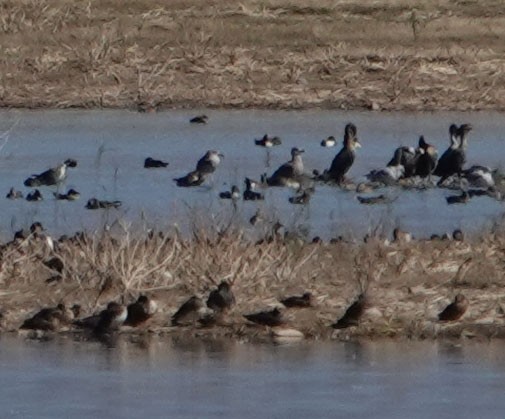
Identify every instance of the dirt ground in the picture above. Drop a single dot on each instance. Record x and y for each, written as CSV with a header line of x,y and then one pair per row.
x,y
341,54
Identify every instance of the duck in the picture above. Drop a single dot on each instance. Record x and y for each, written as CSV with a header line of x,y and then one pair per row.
x,y
270,318
304,300
329,142
256,218
222,298
140,311
388,176
345,157
267,141
34,196
188,312
234,194
52,318
209,162
55,264
150,163
13,194
463,198
71,195
427,159
50,177
94,203
372,200
302,198
194,178
108,320
199,119
250,194
455,310
479,177
288,174
400,236
454,158
353,314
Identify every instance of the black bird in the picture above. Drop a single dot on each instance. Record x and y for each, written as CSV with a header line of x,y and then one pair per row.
x,y
140,311
304,300
111,318
13,194
222,298
34,196
151,163
55,264
395,168
71,195
463,198
345,157
209,162
199,119
250,194
194,178
455,310
270,318
289,172
372,200
188,312
405,157
426,160
233,194
353,314
453,159
94,203
268,142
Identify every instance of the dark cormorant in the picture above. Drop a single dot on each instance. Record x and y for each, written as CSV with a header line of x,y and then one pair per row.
x,y
345,157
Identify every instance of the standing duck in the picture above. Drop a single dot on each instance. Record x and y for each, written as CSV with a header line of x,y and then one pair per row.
x,y
345,157
289,172
188,312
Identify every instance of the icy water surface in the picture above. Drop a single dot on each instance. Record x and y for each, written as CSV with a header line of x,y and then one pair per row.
x,y
111,146
195,379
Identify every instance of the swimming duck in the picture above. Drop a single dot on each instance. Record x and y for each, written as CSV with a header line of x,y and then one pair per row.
x,y
188,312
250,194
13,194
199,119
94,203
427,159
222,298
209,162
455,310
345,157
233,194
151,163
353,314
304,300
287,174
34,196
268,142
52,176
329,142
71,195
270,318
140,311
194,178
454,157
256,218
463,198
372,200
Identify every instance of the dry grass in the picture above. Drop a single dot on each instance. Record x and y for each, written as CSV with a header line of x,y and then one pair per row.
x,y
408,283
269,53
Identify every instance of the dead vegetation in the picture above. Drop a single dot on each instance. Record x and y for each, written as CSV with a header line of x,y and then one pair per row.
x,y
274,53
408,284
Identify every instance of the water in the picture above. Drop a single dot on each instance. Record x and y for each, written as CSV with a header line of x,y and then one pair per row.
x,y
111,146
189,379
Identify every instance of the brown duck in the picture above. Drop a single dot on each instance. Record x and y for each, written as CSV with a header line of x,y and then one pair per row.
x,y
140,311
51,319
455,310
266,318
304,300
188,311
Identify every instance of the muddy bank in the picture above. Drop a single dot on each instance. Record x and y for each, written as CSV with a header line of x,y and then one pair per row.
x,y
408,284
276,54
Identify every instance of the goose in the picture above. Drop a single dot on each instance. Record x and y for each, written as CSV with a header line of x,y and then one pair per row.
x,y
288,174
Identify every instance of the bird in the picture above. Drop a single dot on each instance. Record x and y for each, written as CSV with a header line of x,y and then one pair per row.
x,y
55,264
479,176
199,119
209,162
222,298
353,314
13,194
51,319
188,312
427,159
270,318
344,159
455,310
34,196
302,198
194,178
94,203
329,142
463,198
287,174
387,176
50,177
140,311
109,319
400,236
71,195
405,157
256,218
250,194
454,158
304,300
267,141
150,163
372,200
234,194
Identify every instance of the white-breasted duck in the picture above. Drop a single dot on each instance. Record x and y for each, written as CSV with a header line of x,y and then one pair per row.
x,y
14,194
267,141
34,196
234,194
329,142
140,311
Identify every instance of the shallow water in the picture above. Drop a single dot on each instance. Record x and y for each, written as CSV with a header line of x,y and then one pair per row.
x,y
111,146
190,379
